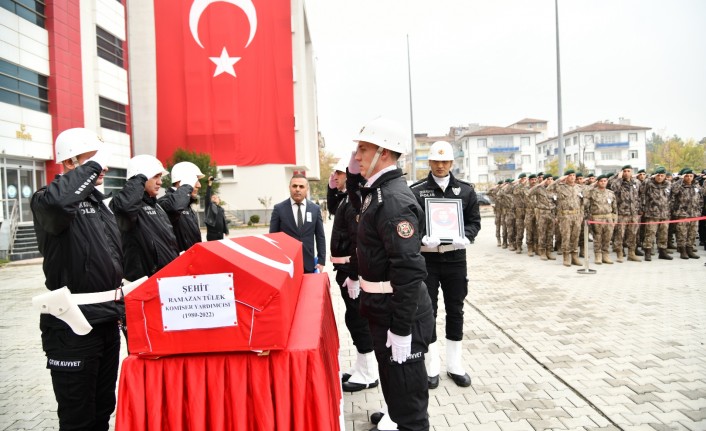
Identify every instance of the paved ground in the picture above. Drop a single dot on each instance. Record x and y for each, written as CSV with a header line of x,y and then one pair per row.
x,y
547,348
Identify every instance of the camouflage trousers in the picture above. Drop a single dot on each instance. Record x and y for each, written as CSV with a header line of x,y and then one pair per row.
x,y
545,229
686,233
531,227
498,222
519,226
602,234
510,226
658,230
626,231
570,226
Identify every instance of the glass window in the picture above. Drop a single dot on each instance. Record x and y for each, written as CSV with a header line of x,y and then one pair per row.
x,y
525,141
588,156
526,160
112,115
114,180
632,137
482,143
31,10
482,161
588,139
227,173
23,87
632,154
109,47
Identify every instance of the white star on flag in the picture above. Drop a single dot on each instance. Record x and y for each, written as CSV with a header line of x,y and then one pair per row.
x,y
224,63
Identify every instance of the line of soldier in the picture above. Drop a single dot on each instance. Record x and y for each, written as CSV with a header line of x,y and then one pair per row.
x,y
548,214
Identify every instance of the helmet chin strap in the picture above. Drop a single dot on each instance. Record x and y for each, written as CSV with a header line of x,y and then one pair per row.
x,y
376,157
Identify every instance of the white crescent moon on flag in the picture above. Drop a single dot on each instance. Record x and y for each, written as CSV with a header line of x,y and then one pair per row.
x,y
286,267
199,6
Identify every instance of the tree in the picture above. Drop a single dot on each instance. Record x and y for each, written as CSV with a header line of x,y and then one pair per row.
x,y
202,160
265,201
552,167
327,161
675,154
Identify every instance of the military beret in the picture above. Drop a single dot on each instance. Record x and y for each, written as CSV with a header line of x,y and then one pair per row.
x,y
591,174
541,174
500,182
660,170
600,177
569,172
626,167
555,178
532,176
641,171
508,180
522,175
681,171
687,171
579,174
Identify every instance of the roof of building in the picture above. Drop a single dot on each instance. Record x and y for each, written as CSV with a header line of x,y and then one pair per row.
x,y
598,127
530,120
492,130
431,139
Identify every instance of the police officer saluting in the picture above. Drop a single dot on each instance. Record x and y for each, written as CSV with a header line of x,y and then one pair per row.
x,y
391,271
177,201
446,263
80,242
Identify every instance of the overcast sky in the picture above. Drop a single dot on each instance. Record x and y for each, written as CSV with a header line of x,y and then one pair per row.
x,y
493,62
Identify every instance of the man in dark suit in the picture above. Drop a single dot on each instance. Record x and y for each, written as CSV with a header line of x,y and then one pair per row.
x,y
301,219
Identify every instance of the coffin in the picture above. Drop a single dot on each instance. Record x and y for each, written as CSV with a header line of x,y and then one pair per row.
x,y
236,294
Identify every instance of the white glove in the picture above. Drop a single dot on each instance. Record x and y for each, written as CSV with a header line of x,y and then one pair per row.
x,y
353,287
332,181
102,157
460,242
401,346
353,166
431,241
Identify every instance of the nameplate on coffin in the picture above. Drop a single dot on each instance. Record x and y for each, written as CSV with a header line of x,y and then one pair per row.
x,y
197,302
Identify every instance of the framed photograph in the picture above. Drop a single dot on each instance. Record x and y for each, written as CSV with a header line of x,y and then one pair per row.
x,y
444,218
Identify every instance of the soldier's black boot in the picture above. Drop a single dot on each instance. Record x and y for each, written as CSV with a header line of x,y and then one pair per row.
x,y
638,252
682,253
690,253
648,254
664,255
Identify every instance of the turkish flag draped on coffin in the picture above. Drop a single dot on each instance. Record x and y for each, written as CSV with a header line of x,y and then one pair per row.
x,y
224,80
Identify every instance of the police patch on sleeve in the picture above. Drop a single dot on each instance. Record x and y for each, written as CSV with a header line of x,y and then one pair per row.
x,y
405,229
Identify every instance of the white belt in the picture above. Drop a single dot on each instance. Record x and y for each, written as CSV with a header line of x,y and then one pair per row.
x,y
63,304
439,249
375,286
345,259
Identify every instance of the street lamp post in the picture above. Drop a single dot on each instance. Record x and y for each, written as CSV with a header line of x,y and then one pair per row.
x,y
558,92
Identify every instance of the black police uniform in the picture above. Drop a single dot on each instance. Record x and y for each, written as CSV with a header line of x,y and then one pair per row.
x,y
147,236
215,219
388,251
80,242
343,244
177,204
448,269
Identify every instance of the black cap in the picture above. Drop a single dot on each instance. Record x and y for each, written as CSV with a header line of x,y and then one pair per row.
x,y
626,167
569,172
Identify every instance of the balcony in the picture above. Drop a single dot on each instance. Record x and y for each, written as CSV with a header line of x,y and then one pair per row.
x,y
613,145
503,149
505,167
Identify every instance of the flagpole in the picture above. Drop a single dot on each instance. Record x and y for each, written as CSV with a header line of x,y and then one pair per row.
x,y
558,93
411,116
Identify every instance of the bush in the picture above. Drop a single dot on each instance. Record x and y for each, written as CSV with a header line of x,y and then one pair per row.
x,y
254,219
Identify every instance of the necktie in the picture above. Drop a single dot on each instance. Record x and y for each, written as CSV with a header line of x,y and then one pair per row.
x,y
300,220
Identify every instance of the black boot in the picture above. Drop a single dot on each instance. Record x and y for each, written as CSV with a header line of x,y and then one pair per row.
x,y
690,253
638,252
648,254
664,255
682,253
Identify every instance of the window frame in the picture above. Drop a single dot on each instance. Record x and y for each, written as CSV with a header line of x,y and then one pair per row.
x,y
118,124
24,99
117,54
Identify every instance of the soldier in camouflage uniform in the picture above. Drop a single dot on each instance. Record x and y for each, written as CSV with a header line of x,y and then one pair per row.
x,y
600,206
654,194
582,188
627,191
518,201
530,217
568,208
505,194
686,201
497,209
544,207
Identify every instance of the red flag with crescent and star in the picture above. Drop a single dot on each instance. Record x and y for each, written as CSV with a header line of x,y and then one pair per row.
x,y
224,80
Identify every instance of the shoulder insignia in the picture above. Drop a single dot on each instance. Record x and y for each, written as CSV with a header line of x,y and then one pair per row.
x,y
366,203
405,229
456,190
418,183
379,195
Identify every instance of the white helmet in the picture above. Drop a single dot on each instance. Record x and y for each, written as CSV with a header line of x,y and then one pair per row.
x,y
146,165
185,170
441,151
341,166
385,133
74,142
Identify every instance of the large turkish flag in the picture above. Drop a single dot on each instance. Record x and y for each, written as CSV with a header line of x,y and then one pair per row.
x,y
231,95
